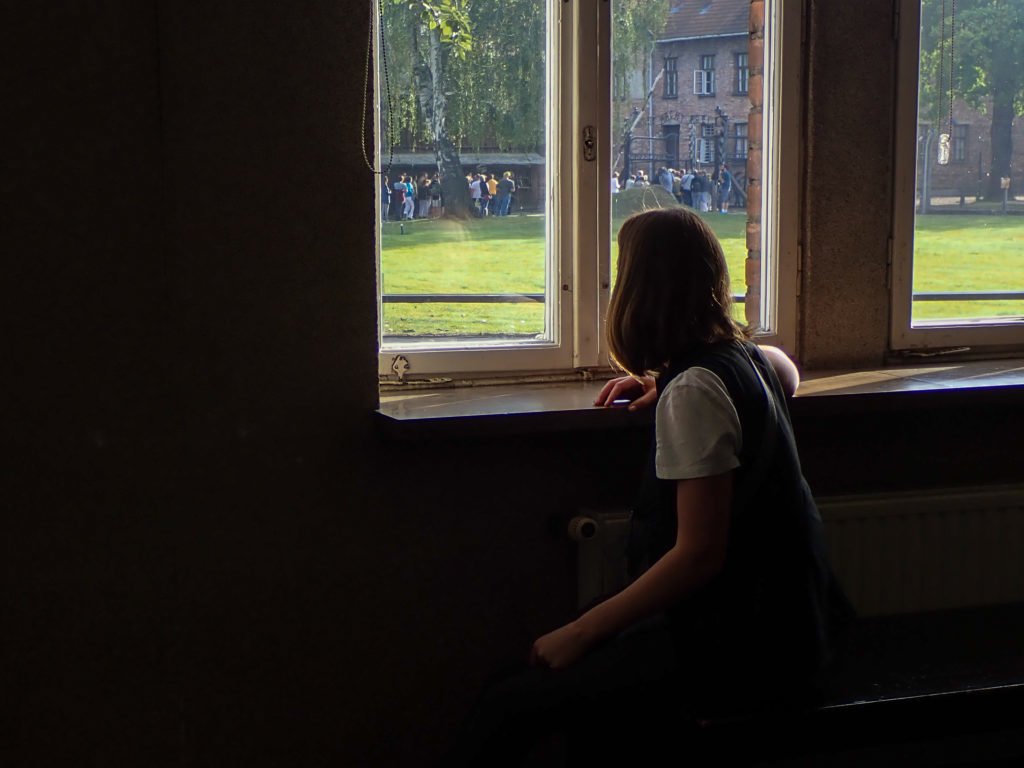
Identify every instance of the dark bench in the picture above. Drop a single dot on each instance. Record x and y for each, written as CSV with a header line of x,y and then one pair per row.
x,y
943,688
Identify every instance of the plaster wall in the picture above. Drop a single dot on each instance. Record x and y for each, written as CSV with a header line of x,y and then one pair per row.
x,y
844,303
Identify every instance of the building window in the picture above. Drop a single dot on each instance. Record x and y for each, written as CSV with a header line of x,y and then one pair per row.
x,y
959,148
704,77
741,142
671,90
742,73
620,86
472,289
956,278
706,144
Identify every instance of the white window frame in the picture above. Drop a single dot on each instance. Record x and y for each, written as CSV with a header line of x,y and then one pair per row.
x,y
704,82
579,231
742,74
705,150
671,89
932,334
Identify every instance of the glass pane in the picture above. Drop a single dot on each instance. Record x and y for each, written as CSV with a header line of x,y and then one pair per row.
x,y
464,221
685,141
969,222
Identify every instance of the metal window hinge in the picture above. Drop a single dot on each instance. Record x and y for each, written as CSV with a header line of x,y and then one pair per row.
x,y
888,265
799,270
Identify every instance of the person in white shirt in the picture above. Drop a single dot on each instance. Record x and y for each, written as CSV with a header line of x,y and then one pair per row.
x,y
732,601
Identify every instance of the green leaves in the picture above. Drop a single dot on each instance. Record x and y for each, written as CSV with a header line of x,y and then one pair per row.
x,y
450,18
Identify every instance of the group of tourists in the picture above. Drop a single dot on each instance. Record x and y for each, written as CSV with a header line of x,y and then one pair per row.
x,y
491,196
406,199
695,188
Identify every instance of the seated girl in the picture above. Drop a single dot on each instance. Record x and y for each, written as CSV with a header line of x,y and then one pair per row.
x,y
731,600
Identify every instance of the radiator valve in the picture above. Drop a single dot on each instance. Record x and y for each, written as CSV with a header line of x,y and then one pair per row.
x,y
582,528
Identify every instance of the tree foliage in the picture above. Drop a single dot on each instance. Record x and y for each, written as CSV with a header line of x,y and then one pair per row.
x,y
496,84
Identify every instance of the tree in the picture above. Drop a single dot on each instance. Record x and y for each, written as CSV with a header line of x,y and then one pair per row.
x,y
472,73
637,24
988,68
439,36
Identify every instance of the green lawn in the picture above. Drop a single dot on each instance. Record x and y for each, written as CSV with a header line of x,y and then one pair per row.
x,y
506,255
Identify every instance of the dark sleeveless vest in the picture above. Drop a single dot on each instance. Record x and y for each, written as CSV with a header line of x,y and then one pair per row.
x,y
770,616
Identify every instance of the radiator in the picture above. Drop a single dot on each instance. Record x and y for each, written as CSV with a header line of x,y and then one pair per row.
x,y
894,553
900,553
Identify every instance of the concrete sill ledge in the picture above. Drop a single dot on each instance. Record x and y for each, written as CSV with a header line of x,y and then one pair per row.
x,y
526,409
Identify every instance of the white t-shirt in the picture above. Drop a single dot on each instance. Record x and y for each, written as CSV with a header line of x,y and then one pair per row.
x,y
697,429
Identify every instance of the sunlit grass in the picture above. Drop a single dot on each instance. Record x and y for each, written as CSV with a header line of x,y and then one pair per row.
x,y
506,255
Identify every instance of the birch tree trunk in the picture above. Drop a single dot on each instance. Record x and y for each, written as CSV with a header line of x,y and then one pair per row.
x,y
429,74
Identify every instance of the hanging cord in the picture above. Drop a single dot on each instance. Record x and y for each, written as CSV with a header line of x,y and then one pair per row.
x,y
952,42
941,91
387,90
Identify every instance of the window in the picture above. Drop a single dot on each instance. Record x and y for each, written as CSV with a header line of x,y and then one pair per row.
x,y
704,77
960,131
671,90
740,145
957,264
742,72
620,86
480,278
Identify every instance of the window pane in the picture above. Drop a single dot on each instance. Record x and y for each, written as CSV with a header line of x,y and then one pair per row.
x,y
968,231
464,248
676,150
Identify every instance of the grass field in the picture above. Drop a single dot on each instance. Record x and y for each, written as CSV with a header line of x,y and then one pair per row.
x,y
506,255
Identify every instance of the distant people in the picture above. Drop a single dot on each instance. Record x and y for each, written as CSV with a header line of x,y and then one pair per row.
x,y
385,197
725,180
423,197
398,198
485,195
409,204
665,179
436,201
492,191
685,184
700,188
506,188
474,193
631,181
615,183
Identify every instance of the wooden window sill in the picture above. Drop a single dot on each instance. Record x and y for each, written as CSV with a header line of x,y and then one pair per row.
x,y
534,408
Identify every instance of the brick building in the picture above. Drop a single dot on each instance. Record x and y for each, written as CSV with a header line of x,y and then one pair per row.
x,y
699,86
970,155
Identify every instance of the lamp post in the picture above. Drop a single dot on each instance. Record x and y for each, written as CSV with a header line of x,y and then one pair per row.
x,y
721,130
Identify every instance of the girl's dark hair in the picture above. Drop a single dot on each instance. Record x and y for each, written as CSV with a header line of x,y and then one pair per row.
x,y
671,293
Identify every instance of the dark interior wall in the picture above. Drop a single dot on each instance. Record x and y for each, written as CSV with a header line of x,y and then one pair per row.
x,y
210,556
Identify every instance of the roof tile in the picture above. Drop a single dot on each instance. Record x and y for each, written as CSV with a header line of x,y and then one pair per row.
x,y
702,18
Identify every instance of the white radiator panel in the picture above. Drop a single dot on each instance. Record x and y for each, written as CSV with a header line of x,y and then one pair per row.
x,y
893,553
899,553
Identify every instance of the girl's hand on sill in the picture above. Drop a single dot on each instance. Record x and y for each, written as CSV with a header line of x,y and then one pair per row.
x,y
641,392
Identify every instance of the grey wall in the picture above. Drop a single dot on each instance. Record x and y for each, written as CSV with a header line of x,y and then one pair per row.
x,y
209,555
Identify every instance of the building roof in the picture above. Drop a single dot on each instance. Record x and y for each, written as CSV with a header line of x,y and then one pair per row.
x,y
468,158
706,18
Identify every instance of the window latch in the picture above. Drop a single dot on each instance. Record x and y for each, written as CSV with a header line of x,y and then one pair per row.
x,y
589,143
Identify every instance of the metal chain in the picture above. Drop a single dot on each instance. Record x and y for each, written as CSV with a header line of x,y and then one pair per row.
x,y
387,90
